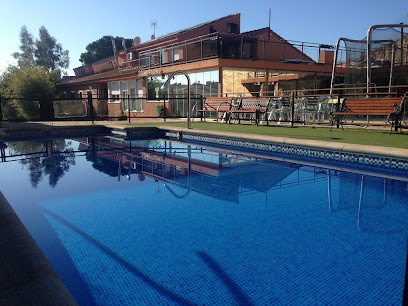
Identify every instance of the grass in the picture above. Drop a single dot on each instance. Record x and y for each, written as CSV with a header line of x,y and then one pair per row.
x,y
362,136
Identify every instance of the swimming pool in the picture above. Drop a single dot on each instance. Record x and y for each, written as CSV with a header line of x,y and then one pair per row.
x,y
166,222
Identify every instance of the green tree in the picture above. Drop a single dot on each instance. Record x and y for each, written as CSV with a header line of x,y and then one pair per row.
x,y
54,164
32,83
26,56
49,53
102,48
39,65
44,52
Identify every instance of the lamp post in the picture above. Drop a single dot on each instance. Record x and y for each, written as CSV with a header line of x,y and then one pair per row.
x,y
188,93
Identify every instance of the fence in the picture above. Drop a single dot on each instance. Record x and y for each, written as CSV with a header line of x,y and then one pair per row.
x,y
304,109
228,46
300,107
91,108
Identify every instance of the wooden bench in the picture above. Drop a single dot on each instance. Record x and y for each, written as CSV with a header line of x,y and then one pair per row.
x,y
255,106
217,105
390,107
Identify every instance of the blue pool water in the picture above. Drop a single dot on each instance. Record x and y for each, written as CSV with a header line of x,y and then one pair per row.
x,y
162,222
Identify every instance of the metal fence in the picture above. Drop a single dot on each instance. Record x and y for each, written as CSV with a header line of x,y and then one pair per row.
x,y
92,107
284,109
229,46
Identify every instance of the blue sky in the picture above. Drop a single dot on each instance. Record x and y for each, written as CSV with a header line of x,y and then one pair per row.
x,y
76,23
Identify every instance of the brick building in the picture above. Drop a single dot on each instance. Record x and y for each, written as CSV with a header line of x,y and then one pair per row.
x,y
219,59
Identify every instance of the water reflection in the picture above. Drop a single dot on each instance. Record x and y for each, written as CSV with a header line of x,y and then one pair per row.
x,y
378,204
215,173
229,176
51,158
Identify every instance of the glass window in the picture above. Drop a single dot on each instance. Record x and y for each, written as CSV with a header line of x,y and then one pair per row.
x,y
214,82
176,53
154,90
136,104
202,83
113,91
163,56
124,100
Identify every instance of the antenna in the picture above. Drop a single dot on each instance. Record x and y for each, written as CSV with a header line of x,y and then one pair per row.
x,y
154,26
269,27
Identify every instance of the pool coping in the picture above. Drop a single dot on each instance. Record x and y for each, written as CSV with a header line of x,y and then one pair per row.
x,y
336,146
112,125
26,275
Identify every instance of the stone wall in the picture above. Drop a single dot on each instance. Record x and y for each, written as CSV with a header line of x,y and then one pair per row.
x,y
231,81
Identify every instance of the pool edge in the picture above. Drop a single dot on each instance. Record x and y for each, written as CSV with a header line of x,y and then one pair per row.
x,y
26,275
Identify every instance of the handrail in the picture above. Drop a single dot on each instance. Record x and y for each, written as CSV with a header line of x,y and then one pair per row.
x,y
188,178
188,92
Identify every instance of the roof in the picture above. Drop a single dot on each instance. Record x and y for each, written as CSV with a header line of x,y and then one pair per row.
x,y
255,32
97,62
184,30
99,76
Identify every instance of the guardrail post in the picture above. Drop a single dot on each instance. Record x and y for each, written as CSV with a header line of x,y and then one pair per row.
x,y
128,107
185,44
90,103
1,112
164,108
201,47
337,110
242,47
263,53
201,107
292,109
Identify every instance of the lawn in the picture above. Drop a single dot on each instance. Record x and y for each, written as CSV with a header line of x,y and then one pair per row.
x,y
349,135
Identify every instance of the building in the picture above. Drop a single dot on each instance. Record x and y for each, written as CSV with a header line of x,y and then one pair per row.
x,y
219,59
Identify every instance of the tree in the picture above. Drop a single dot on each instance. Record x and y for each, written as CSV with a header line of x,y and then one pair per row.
x,y
54,164
102,48
49,53
44,52
26,56
27,82
32,81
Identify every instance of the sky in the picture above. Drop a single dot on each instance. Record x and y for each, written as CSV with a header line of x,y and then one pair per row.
x,y
77,23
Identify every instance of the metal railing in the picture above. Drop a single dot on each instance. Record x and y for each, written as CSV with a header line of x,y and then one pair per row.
x,y
228,46
301,106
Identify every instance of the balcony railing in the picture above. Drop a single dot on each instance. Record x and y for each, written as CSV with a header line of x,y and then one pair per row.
x,y
229,46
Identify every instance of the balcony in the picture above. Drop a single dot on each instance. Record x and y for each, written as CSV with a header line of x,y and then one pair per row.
x,y
227,46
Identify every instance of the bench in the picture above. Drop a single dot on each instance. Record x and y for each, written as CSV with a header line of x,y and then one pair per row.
x,y
217,105
390,107
255,106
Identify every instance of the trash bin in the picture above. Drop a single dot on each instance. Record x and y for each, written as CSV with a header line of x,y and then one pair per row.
x,y
159,109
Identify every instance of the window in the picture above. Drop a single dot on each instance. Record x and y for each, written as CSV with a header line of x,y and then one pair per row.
x,y
154,91
136,104
232,28
202,83
124,100
163,56
113,91
176,53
